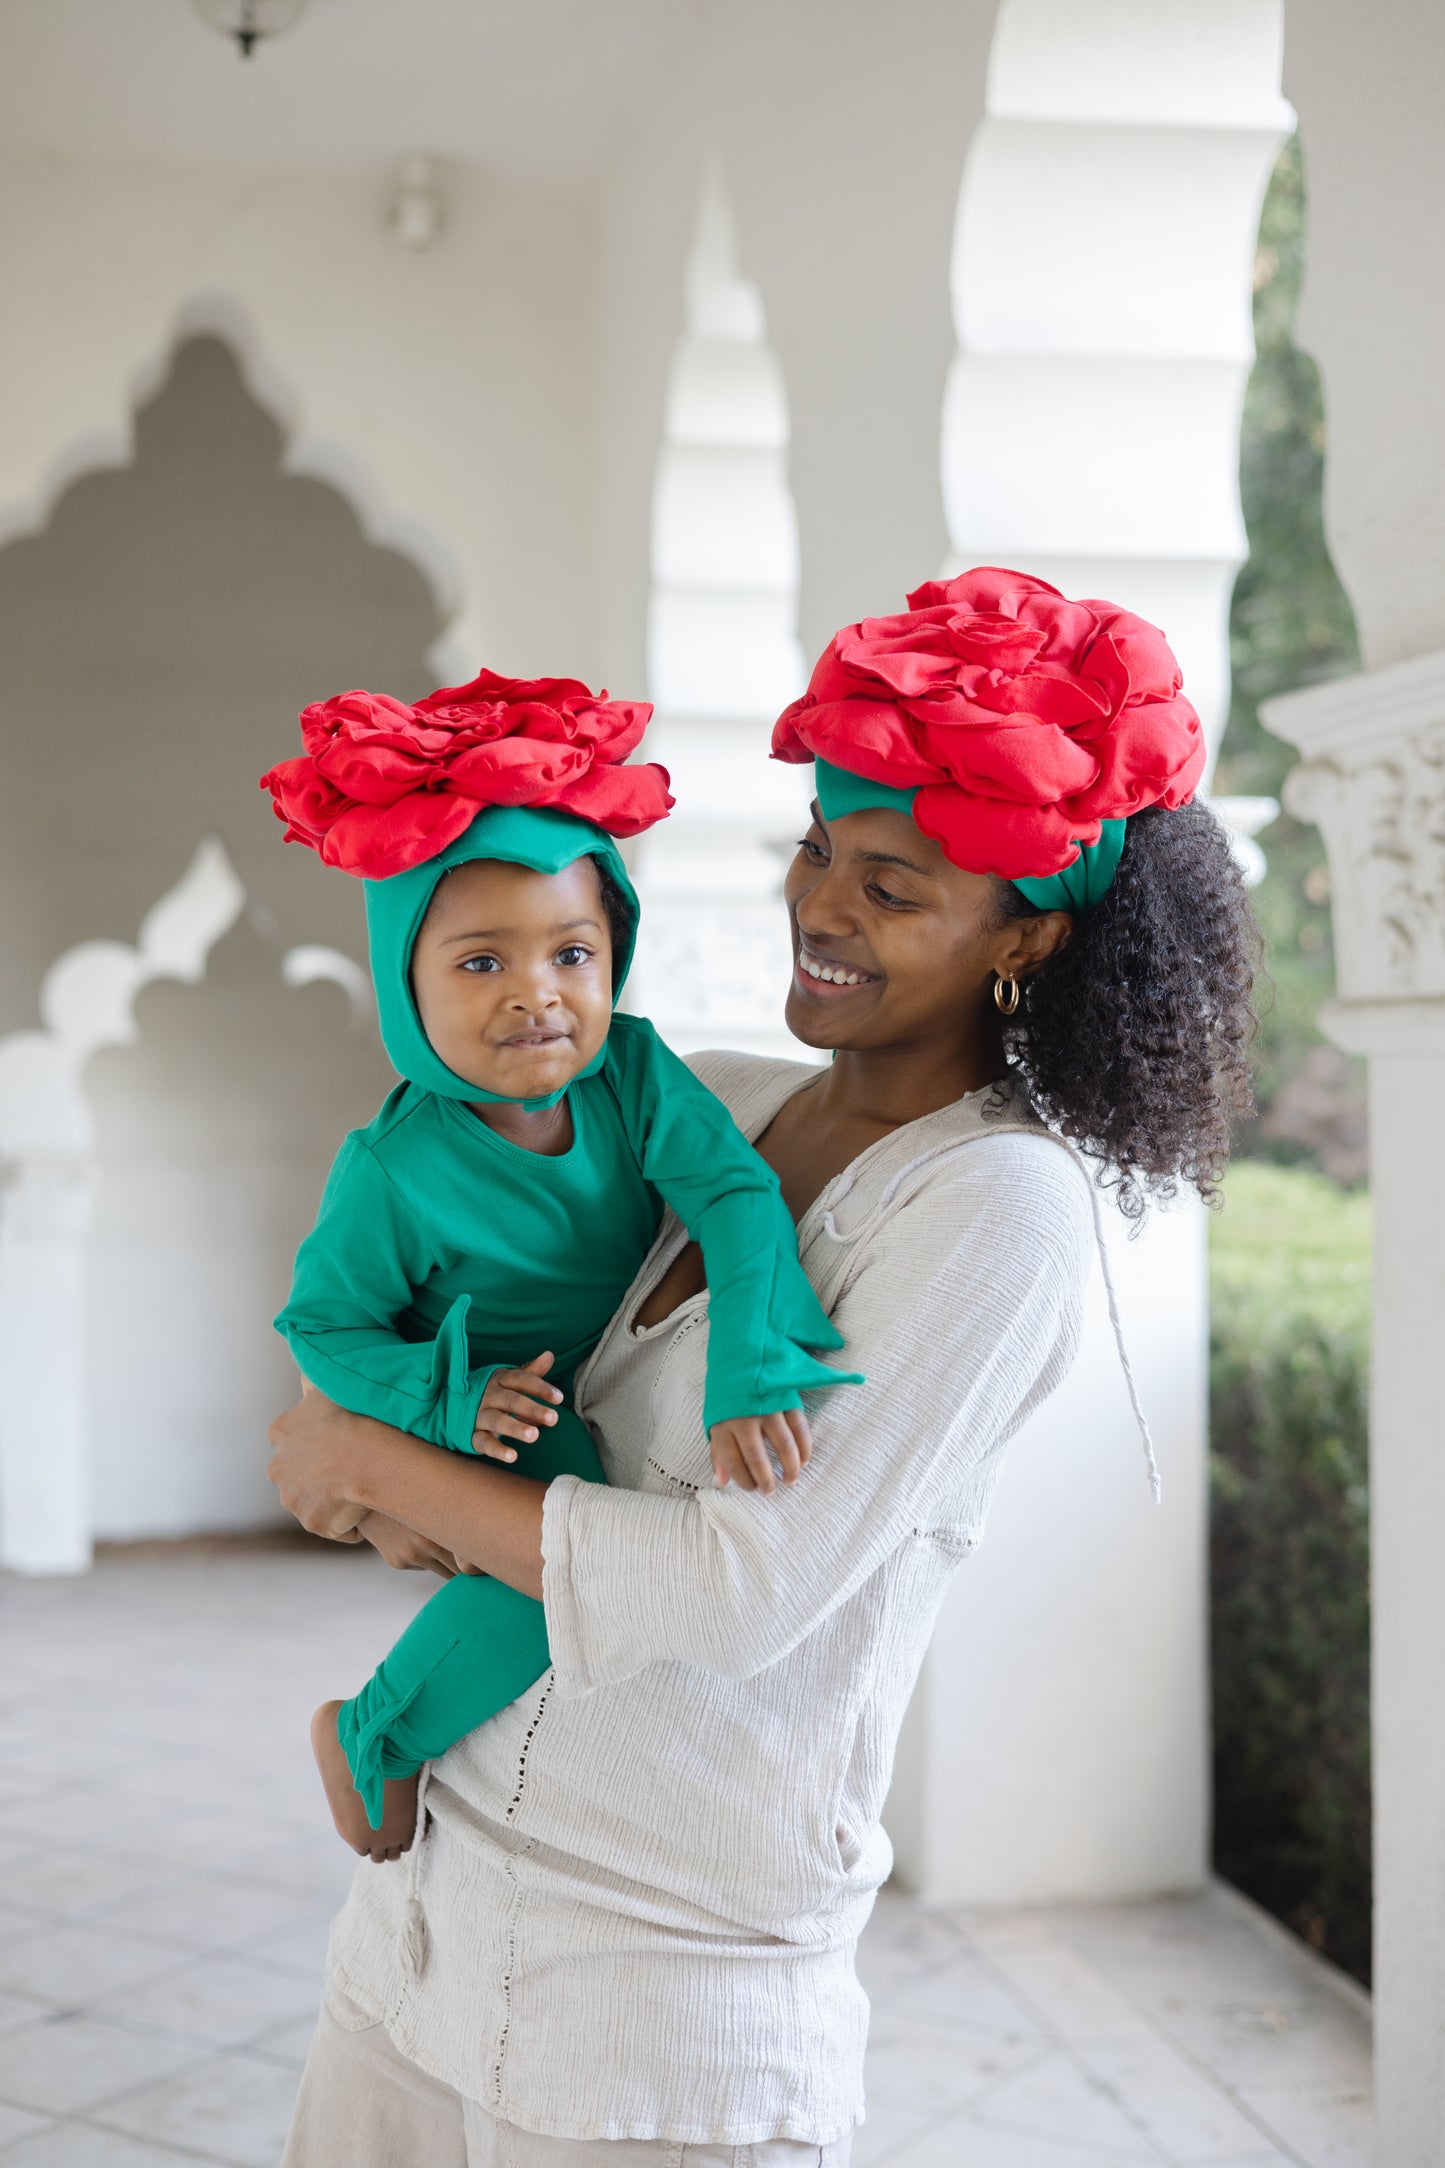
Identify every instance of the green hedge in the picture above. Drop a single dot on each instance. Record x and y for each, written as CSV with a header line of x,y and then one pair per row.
x,y
1290,1289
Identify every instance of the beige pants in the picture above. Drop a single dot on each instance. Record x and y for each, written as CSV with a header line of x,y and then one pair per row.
x,y
363,2105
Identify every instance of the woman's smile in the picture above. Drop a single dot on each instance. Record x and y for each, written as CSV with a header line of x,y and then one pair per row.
x,y
818,973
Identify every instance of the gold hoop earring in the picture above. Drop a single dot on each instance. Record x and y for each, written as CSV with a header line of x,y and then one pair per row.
x,y
1005,1003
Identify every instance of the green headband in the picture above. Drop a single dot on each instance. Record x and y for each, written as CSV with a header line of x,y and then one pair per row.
x,y
1074,889
537,836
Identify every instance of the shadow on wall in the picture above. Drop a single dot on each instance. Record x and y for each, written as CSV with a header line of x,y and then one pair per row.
x,y
156,643
215,1133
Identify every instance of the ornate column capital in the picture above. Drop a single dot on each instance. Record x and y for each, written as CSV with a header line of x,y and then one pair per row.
x,y
1372,777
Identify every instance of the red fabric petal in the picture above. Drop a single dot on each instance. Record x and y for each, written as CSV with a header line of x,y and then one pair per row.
x,y
1157,761
986,835
516,771
376,842
623,800
303,799
325,719
868,737
1032,763
981,589
488,687
788,743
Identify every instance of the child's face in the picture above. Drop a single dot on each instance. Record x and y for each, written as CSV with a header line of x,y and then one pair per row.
x,y
512,975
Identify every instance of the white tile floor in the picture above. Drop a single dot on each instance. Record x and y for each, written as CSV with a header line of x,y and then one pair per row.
x,y
167,1873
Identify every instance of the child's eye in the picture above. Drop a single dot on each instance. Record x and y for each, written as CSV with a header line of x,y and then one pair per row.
x,y
480,963
575,953
815,852
887,898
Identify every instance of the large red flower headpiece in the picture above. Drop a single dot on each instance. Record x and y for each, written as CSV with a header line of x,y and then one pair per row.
x,y
1021,718
383,786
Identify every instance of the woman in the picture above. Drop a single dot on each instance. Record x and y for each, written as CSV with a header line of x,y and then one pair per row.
x,y
629,1934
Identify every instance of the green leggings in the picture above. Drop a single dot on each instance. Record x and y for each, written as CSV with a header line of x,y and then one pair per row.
x,y
469,1652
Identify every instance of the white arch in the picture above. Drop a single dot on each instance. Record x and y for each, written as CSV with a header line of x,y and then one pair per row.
x,y
723,659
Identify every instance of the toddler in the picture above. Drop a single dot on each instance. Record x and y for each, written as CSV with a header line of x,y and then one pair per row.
x,y
474,1240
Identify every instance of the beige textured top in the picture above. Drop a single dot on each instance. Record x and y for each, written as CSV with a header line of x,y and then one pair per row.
x,y
644,1882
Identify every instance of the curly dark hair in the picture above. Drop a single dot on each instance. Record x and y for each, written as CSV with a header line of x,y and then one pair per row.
x,y
1133,1039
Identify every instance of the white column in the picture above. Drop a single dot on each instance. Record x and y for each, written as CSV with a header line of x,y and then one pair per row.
x,y
1058,1744
1373,777
1101,289
47,1189
723,660
44,1431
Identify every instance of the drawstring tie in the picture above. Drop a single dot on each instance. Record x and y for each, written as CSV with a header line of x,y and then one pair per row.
x,y
414,1938
1125,1365
837,1192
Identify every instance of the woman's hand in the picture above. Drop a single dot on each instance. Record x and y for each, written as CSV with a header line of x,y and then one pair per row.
x,y
333,1469
316,1453
408,1552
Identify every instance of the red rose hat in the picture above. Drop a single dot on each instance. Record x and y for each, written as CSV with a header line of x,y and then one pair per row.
x,y
383,787
1021,722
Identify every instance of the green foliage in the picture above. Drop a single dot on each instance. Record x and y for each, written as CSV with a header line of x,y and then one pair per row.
x,y
1290,1291
1290,625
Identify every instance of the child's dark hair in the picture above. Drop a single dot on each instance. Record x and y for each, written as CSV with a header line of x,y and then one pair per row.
x,y
1133,1039
618,912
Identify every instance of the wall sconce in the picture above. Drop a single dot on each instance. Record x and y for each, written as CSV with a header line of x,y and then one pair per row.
x,y
418,213
249,21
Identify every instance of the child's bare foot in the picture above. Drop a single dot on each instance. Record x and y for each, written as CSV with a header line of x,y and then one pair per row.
x,y
398,1811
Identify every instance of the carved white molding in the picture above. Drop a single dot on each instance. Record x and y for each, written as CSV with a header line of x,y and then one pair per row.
x,y
47,1187
313,962
1372,778
87,1001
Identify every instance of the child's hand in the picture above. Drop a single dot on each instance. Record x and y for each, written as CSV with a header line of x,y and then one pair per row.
x,y
743,1450
514,1403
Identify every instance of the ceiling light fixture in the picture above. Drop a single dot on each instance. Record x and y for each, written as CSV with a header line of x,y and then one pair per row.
x,y
249,21
418,212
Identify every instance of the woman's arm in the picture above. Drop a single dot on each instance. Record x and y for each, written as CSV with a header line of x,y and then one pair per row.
x,y
965,1313
332,1468
407,1552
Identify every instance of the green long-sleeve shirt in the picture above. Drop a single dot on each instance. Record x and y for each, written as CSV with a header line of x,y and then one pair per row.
x,y
443,1252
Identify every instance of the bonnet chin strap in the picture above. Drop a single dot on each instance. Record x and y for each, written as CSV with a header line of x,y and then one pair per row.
x,y
1075,888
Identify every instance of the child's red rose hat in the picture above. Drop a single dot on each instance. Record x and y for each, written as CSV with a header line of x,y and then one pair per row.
x,y
383,786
